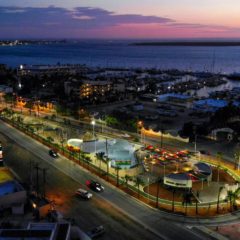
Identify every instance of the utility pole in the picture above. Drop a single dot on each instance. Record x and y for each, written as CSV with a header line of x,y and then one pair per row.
x,y
44,182
195,139
162,131
37,178
106,147
31,163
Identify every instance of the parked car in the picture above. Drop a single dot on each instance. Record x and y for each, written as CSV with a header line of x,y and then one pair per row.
x,y
83,193
53,154
54,216
204,152
96,232
95,186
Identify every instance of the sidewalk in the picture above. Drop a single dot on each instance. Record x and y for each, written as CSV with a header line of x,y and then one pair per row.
x,y
209,232
231,231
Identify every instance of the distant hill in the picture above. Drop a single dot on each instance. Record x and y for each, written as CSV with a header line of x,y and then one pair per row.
x,y
188,44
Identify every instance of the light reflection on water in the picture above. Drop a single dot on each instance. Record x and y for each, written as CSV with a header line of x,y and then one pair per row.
x,y
204,92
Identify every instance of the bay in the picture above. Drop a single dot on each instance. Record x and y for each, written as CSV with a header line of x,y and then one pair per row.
x,y
120,53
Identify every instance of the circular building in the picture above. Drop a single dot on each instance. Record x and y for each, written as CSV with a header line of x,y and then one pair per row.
x,y
200,172
178,180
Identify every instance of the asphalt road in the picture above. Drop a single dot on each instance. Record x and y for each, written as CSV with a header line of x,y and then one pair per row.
x,y
122,215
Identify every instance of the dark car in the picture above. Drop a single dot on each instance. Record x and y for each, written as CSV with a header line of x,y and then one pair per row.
x,y
95,186
53,154
96,232
204,152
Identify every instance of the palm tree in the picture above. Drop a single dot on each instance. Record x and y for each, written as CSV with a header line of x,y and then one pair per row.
x,y
20,120
236,196
162,132
27,127
99,157
117,168
158,188
88,161
173,200
127,178
50,140
62,141
219,192
237,159
232,196
196,207
219,158
107,162
138,182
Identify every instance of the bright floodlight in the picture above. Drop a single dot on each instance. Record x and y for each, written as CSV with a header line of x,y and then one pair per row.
x,y
21,67
20,85
93,122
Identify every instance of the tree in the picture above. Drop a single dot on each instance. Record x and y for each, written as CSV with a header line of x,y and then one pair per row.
x,y
107,162
219,193
88,159
138,182
53,117
127,179
50,139
29,105
196,207
20,120
237,159
232,196
111,121
117,168
173,199
236,196
99,157
162,132
219,158
187,130
158,188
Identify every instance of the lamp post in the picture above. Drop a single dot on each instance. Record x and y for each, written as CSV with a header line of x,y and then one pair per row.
x,y
140,126
195,139
93,124
148,188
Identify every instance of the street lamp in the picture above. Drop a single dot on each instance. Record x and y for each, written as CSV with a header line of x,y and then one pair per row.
x,y
148,187
140,126
93,124
195,139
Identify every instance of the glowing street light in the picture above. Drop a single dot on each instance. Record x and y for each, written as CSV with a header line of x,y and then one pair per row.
x,y
140,126
93,124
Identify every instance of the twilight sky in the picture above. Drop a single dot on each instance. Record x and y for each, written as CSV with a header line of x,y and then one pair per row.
x,y
119,19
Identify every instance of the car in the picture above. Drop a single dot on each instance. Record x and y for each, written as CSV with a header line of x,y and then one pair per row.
x,y
54,216
95,186
53,154
204,152
83,193
96,232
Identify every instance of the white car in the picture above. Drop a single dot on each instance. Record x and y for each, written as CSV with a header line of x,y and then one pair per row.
x,y
96,232
83,193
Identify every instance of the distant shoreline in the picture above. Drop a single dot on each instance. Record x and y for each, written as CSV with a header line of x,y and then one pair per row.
x,y
188,44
